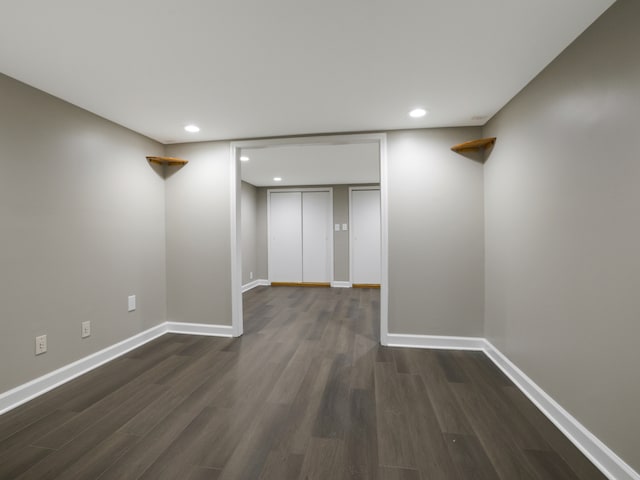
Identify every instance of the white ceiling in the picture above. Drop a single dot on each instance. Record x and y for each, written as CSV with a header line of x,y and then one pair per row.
x,y
312,164
256,68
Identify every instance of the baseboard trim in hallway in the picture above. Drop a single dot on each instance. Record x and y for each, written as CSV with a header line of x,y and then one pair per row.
x,y
28,391
200,329
595,450
265,283
255,283
435,341
301,284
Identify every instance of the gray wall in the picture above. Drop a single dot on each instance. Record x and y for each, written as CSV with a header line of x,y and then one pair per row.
x,y
262,234
198,238
82,228
563,230
436,234
249,232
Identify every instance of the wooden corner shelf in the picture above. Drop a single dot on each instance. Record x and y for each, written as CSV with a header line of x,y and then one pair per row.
x,y
167,160
474,145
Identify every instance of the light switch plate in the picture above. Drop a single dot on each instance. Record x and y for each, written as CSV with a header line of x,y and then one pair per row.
x,y
337,227
344,227
86,329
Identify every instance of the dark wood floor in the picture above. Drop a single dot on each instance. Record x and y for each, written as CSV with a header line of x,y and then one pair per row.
x,y
306,393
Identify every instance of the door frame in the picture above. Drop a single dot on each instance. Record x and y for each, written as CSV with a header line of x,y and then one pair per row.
x,y
330,226
361,188
235,190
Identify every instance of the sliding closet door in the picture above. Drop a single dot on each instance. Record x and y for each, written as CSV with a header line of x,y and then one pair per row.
x,y
365,236
285,237
316,237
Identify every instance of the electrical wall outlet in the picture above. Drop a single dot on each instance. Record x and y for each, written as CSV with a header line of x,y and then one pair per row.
x,y
41,344
86,329
131,302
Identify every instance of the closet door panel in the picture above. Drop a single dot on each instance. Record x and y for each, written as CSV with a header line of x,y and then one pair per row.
x,y
285,237
316,235
365,235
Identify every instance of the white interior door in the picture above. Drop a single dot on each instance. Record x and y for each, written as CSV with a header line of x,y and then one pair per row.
x,y
365,236
285,237
316,236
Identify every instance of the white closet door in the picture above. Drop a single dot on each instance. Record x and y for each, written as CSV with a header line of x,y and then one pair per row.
x,y
365,236
285,237
316,235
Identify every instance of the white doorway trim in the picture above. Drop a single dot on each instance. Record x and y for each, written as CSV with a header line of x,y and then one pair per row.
x,y
235,190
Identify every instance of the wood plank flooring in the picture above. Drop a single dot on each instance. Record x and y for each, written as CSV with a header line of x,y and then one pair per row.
x,y
306,393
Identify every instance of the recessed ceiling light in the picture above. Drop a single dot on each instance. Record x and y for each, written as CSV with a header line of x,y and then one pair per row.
x,y
417,113
244,159
277,179
192,128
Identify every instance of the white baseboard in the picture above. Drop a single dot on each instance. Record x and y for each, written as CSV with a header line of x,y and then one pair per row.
x,y
597,452
434,341
341,284
30,390
200,329
610,464
254,284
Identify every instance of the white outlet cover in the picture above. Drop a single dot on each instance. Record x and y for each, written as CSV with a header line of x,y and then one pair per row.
x,y
131,302
41,344
344,227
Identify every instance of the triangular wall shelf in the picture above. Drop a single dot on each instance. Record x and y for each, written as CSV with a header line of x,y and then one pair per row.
x,y
474,145
167,160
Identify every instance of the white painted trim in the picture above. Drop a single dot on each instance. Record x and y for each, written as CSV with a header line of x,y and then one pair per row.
x,y
339,139
254,284
384,241
300,189
435,341
200,329
612,466
236,261
251,285
335,284
30,390
236,238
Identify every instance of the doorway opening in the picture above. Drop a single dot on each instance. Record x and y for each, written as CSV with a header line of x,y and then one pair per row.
x,y
240,148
